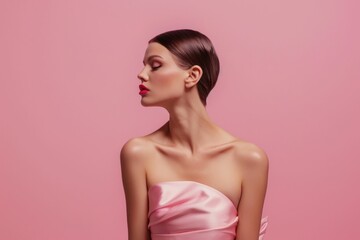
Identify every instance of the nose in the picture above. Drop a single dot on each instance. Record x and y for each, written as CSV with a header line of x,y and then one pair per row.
x,y
142,75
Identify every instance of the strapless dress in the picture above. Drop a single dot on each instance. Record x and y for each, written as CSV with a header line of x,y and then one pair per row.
x,y
189,210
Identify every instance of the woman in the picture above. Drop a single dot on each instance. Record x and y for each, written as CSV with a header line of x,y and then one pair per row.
x,y
190,179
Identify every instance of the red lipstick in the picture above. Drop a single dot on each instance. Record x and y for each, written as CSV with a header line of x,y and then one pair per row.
x,y
143,89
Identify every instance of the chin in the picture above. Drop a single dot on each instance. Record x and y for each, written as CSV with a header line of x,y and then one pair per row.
x,y
147,103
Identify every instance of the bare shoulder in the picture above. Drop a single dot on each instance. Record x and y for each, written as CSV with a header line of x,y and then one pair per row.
x,y
135,148
133,171
250,155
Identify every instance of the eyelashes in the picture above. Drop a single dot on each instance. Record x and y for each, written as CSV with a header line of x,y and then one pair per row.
x,y
155,68
154,65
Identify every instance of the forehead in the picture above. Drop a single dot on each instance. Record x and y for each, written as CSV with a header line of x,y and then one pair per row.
x,y
157,49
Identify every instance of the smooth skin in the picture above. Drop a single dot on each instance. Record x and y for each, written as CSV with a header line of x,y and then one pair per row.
x,y
190,146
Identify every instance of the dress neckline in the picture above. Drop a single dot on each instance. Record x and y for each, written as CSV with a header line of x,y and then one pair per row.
x,y
197,183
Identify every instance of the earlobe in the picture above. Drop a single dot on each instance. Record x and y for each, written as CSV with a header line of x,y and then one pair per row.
x,y
195,73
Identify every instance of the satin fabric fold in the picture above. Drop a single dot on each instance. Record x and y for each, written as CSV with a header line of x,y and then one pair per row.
x,y
189,210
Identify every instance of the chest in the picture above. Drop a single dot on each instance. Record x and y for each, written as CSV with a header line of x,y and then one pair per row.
x,y
217,169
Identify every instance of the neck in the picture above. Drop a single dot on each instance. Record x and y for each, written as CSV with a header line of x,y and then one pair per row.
x,y
190,127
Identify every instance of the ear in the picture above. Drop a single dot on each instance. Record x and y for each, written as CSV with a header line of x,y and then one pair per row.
x,y
195,73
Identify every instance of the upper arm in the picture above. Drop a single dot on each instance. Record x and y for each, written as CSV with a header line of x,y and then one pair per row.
x,y
134,183
254,169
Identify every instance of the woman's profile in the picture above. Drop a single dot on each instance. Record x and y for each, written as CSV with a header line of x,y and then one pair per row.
x,y
190,179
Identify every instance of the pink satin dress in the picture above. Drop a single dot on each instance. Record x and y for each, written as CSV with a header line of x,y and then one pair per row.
x,y
189,210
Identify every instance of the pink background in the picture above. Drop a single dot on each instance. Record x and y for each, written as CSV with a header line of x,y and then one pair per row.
x,y
69,99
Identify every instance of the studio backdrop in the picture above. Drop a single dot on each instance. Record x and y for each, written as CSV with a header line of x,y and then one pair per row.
x,y
289,82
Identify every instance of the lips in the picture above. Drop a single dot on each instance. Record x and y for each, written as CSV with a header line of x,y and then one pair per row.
x,y
142,87
143,90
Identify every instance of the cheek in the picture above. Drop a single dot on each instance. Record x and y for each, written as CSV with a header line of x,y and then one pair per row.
x,y
170,81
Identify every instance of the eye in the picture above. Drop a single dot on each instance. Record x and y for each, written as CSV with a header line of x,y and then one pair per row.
x,y
155,67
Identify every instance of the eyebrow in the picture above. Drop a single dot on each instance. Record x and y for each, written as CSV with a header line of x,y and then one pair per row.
x,y
152,56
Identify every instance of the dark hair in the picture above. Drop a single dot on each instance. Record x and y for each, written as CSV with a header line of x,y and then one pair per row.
x,y
191,48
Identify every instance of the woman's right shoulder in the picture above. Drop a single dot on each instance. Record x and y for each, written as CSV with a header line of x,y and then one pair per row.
x,y
136,148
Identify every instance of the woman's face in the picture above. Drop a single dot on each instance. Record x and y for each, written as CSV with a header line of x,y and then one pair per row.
x,y
162,76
